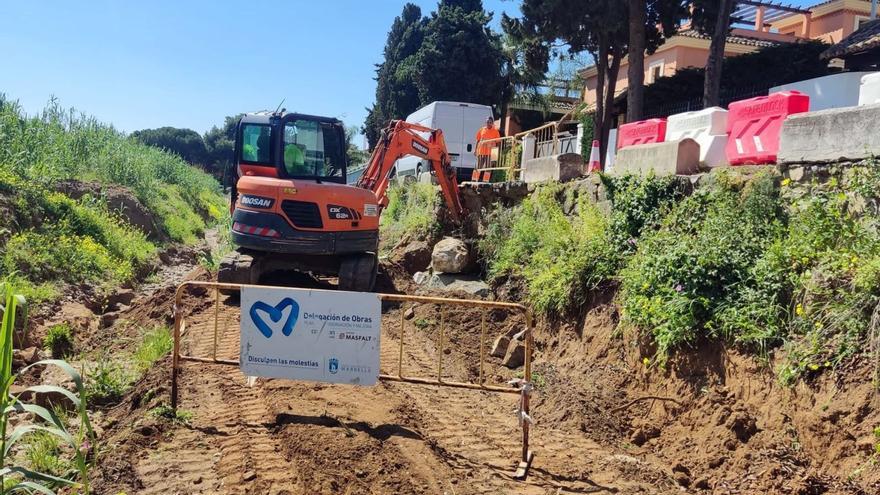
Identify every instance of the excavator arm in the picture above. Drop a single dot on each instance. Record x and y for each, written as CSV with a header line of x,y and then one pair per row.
x,y
402,138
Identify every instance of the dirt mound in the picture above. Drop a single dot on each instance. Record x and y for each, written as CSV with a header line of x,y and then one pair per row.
x,y
119,199
717,418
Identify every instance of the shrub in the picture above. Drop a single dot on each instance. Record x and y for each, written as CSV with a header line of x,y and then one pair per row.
x,y
560,259
59,340
410,212
107,382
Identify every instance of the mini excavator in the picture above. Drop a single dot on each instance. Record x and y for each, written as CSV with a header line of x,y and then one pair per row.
x,y
292,208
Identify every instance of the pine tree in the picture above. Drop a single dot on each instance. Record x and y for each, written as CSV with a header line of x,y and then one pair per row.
x,y
461,57
396,93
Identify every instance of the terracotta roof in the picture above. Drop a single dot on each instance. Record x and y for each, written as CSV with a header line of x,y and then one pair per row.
x,y
737,40
866,38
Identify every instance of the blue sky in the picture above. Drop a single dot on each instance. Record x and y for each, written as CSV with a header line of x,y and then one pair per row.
x,y
190,63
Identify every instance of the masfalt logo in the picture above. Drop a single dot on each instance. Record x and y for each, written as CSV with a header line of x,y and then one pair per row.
x,y
275,313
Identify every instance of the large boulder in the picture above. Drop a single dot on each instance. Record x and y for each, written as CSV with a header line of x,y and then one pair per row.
x,y
451,255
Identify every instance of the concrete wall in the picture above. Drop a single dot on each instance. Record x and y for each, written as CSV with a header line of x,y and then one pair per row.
x,y
831,135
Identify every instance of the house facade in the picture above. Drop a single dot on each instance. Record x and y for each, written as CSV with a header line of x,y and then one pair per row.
x,y
771,24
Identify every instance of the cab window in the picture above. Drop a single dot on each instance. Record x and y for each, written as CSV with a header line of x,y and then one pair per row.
x,y
256,144
312,148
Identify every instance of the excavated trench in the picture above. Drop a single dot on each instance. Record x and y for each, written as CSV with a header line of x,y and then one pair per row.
x,y
713,421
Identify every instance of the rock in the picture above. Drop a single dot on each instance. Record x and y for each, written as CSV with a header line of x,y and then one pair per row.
x,y
516,352
702,484
450,282
409,313
25,357
682,479
450,255
416,257
742,425
49,399
421,277
499,347
122,297
249,476
716,462
638,437
108,319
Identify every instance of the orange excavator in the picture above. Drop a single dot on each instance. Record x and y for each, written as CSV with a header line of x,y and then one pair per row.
x,y
292,208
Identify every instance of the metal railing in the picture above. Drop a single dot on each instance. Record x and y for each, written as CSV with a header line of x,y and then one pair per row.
x,y
503,159
215,341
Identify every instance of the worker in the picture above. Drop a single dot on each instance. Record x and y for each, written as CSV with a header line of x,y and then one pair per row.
x,y
294,160
484,151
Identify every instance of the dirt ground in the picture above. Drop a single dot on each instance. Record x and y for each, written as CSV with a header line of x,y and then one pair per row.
x,y
713,422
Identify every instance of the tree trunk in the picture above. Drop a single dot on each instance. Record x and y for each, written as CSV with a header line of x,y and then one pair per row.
x,y
601,66
712,81
635,91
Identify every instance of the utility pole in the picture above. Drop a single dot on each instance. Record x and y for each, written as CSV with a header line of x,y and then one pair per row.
x,y
873,9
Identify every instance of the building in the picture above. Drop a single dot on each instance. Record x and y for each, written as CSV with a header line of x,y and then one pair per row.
x,y
769,23
860,50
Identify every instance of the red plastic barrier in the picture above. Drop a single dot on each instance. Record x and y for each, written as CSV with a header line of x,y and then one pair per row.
x,y
753,126
641,132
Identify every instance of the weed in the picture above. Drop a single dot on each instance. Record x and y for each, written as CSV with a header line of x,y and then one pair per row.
x,y
43,452
179,416
107,382
59,340
156,343
423,323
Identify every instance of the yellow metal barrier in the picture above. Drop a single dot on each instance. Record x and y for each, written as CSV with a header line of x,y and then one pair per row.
x,y
214,289
505,153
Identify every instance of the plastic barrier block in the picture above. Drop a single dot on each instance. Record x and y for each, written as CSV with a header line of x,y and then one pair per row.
x,y
834,91
641,132
754,125
869,90
707,127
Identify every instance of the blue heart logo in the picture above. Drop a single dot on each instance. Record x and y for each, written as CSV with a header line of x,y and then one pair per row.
x,y
275,313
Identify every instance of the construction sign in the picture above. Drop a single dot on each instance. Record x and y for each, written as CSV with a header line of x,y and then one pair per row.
x,y
313,335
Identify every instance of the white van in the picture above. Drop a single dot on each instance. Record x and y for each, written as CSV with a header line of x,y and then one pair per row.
x,y
459,123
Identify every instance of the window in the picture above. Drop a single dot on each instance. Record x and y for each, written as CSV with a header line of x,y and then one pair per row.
x,y
256,144
313,148
655,71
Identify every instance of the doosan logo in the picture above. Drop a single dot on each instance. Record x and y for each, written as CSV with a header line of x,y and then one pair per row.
x,y
256,201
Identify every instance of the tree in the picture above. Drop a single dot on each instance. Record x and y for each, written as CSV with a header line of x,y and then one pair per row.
x,y
356,156
185,142
599,27
635,93
396,93
713,17
460,58
220,142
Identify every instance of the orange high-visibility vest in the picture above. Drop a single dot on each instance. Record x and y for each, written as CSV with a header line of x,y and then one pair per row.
x,y
484,134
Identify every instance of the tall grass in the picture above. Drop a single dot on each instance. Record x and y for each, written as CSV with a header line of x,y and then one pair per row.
x,y
411,212
64,144
81,443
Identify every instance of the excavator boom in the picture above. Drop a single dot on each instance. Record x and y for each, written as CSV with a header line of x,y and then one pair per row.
x,y
403,138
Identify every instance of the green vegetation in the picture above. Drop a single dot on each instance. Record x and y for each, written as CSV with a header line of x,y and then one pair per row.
x,y
48,237
751,261
562,258
167,412
110,377
410,212
156,343
56,455
59,340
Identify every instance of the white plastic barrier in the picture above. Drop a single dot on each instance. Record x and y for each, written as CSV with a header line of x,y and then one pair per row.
x,y
707,127
610,153
834,91
869,92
